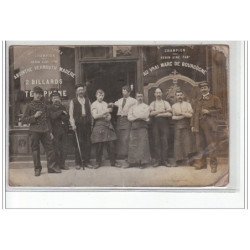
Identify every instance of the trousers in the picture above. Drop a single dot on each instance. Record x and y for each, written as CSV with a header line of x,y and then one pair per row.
x,y
160,133
44,138
110,149
83,132
60,145
206,141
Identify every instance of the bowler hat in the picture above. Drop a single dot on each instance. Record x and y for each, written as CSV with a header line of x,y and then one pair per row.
x,y
38,90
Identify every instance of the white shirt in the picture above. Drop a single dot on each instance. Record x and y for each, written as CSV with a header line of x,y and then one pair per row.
x,y
129,103
82,102
182,107
98,108
160,106
139,111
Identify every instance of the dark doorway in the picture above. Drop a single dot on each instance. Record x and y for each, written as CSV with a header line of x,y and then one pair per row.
x,y
110,77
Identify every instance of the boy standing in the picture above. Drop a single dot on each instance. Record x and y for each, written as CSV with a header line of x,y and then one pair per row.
x,y
103,132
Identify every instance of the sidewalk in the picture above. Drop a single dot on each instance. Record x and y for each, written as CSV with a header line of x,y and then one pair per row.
x,y
21,174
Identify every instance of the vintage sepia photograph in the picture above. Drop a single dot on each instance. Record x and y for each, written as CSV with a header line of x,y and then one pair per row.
x,y
120,116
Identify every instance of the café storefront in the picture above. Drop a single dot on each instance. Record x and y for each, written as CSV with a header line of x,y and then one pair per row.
x,y
110,67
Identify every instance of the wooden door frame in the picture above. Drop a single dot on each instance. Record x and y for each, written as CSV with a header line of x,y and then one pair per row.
x,y
138,60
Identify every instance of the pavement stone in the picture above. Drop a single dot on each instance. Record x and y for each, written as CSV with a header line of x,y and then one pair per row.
x,y
21,174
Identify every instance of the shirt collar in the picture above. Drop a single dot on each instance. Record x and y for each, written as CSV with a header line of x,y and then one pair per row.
x,y
207,96
81,99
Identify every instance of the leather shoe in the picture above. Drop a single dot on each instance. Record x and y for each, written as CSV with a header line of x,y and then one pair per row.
x,y
199,167
54,170
88,165
116,164
167,164
97,165
37,172
213,169
64,167
157,164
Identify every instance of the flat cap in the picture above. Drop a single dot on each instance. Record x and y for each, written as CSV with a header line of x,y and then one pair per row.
x,y
38,90
55,93
80,86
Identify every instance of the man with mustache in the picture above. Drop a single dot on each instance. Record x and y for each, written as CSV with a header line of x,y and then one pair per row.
x,y
60,126
182,113
204,125
81,121
138,153
160,113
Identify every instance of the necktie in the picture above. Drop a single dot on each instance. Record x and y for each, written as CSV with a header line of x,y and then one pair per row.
x,y
123,102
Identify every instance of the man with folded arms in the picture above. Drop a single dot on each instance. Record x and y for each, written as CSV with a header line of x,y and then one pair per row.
x,y
160,113
138,153
183,143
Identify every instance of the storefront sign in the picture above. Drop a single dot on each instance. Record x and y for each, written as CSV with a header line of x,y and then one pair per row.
x,y
175,64
40,66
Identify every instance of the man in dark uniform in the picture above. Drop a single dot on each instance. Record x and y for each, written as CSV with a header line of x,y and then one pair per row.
x,y
81,121
37,115
204,125
60,126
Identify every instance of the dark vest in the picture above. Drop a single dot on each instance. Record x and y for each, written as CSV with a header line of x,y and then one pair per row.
x,y
77,112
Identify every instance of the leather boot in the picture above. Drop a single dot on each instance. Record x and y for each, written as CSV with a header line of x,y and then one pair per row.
x,y
36,159
200,164
213,165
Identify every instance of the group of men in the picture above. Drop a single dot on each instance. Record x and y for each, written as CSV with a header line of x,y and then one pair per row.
x,y
129,138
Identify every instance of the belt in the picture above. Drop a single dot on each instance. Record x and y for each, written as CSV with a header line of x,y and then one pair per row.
x,y
122,116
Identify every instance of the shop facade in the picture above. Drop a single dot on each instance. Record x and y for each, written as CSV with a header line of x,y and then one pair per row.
x,y
143,68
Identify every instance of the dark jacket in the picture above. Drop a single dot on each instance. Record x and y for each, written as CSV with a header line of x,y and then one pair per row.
x,y
41,123
59,120
77,112
213,105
